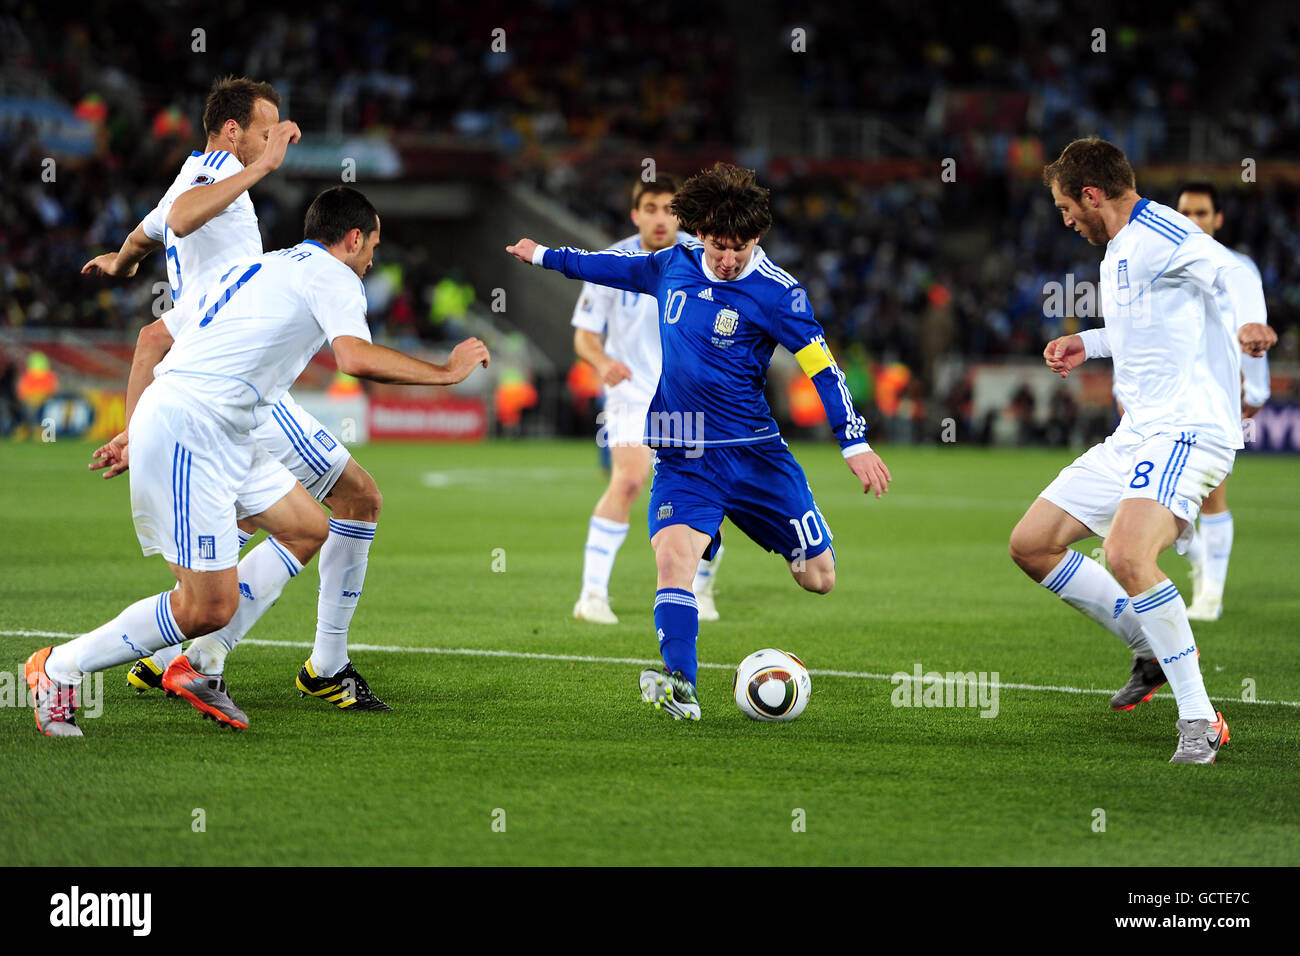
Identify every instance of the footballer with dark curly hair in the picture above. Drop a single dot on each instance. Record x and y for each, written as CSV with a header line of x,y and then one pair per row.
x,y
724,306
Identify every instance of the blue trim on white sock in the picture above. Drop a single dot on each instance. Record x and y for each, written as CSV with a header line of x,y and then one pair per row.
x,y
1155,596
289,560
1060,577
166,620
360,530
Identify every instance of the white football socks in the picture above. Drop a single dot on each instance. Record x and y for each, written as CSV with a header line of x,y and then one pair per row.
x,y
263,573
1196,551
604,538
1086,586
706,572
141,629
343,562
1216,530
166,655
1164,618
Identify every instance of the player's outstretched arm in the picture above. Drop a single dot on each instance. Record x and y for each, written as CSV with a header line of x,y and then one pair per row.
x,y
1065,354
380,364
871,471
198,204
123,263
633,271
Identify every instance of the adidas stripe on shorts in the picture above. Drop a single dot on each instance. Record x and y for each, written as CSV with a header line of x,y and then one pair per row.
x,y
192,479
302,444
1173,468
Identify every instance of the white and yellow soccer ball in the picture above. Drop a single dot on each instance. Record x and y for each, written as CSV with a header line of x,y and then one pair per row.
x,y
771,684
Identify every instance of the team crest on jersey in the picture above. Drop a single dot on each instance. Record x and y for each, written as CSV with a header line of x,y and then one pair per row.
x,y
324,437
725,322
1122,273
202,179
665,511
208,547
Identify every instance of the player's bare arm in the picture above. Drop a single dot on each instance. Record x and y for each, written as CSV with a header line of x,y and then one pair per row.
x,y
871,471
588,347
1065,354
153,343
194,207
123,263
1256,338
380,364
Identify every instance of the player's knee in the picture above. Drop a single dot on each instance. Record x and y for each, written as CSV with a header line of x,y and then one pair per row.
x,y
674,565
1024,547
627,487
1124,562
210,613
819,582
307,537
369,503
359,500
817,574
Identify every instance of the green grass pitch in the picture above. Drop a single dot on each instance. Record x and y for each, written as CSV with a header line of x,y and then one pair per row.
x,y
514,760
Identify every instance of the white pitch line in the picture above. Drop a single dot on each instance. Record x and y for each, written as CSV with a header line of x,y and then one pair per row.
x,y
588,659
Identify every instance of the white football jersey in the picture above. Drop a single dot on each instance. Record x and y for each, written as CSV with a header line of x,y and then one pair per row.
x,y
1177,360
193,261
242,341
630,324
1254,369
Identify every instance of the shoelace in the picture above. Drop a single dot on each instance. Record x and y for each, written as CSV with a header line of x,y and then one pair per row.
x,y
1188,744
64,705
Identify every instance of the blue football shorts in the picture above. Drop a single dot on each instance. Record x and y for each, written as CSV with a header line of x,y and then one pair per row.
x,y
760,487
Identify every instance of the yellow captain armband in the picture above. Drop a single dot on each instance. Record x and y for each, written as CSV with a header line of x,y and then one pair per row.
x,y
814,357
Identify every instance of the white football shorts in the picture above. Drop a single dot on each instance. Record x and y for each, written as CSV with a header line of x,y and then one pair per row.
x,y
622,422
192,478
303,445
1171,468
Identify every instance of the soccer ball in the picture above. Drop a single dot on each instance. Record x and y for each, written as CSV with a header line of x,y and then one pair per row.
x,y
771,684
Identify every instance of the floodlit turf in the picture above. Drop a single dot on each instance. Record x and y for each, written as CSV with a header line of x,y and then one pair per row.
x,y
565,755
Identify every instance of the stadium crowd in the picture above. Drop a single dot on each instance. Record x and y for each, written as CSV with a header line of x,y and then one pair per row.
x,y
908,271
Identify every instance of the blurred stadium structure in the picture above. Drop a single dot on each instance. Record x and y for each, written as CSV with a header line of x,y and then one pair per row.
x,y
470,125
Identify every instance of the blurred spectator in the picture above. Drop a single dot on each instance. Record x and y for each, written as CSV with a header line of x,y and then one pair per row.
x,y
344,386
902,270
450,301
37,385
11,409
1021,413
1062,418
514,395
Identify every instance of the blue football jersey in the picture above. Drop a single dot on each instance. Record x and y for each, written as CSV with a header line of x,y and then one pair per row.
x,y
718,338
